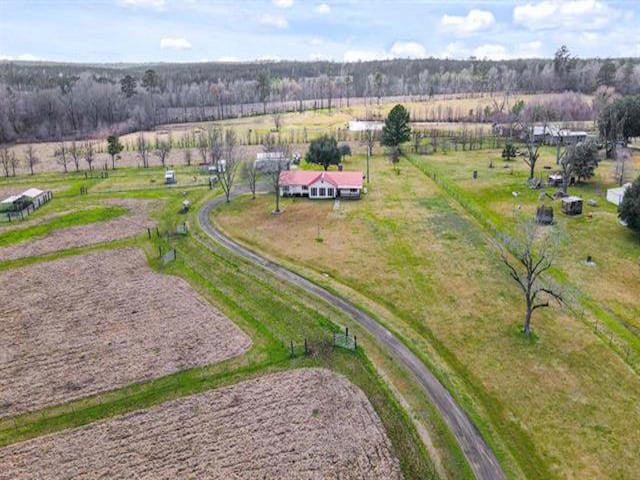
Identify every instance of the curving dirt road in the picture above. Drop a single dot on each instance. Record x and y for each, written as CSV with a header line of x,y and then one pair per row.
x,y
480,457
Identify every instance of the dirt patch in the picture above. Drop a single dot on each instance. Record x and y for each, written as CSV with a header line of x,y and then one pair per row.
x,y
136,221
302,424
90,323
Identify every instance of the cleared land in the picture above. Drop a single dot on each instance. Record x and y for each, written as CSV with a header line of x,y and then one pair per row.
x,y
303,424
297,128
613,282
562,405
90,323
134,222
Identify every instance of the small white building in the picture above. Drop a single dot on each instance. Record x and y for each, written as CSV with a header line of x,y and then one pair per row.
x,y
268,161
615,195
320,185
36,196
363,126
553,135
170,177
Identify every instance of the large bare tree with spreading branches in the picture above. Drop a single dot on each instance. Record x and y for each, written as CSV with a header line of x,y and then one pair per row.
x,y
527,255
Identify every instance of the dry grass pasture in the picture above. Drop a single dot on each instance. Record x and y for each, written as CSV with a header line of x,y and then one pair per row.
x,y
300,424
133,223
84,324
563,403
295,125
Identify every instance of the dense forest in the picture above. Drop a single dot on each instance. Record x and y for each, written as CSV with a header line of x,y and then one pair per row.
x,y
48,101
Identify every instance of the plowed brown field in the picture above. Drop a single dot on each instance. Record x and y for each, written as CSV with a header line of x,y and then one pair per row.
x,y
90,323
300,424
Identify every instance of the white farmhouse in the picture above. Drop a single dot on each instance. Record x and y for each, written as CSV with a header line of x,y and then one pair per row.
x,y
319,185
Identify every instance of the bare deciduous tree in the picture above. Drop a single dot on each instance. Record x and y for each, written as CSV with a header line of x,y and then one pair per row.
x,y
14,161
163,148
250,172
5,160
273,169
277,121
89,156
533,148
203,147
31,158
227,173
143,148
187,156
75,151
216,144
61,155
528,257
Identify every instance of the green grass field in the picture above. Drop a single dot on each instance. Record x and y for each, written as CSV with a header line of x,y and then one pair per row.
x,y
421,257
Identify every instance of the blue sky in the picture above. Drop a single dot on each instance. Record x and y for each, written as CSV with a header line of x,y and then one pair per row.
x,y
201,30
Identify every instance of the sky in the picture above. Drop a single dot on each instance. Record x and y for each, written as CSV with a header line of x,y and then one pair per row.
x,y
342,30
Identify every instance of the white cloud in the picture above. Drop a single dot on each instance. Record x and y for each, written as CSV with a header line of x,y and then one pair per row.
x,y
455,50
491,51
475,21
323,9
228,59
23,57
529,50
268,58
274,21
316,41
175,43
319,57
573,14
364,55
283,3
157,4
408,50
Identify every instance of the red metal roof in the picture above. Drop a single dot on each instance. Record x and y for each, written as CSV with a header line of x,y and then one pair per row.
x,y
307,177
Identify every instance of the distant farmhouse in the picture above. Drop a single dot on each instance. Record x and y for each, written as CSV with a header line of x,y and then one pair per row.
x,y
320,185
552,135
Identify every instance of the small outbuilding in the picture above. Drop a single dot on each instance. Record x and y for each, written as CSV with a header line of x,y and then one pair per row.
x,y
615,195
170,177
572,205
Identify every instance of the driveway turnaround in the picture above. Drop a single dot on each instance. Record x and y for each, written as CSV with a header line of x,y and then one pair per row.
x,y
480,457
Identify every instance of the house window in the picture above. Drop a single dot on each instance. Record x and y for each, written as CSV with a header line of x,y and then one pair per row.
x,y
305,188
354,190
330,192
314,192
286,188
323,192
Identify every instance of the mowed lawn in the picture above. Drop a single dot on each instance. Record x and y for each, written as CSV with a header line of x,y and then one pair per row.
x,y
613,284
562,405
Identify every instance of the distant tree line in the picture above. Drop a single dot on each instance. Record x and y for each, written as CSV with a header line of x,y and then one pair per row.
x,y
42,101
